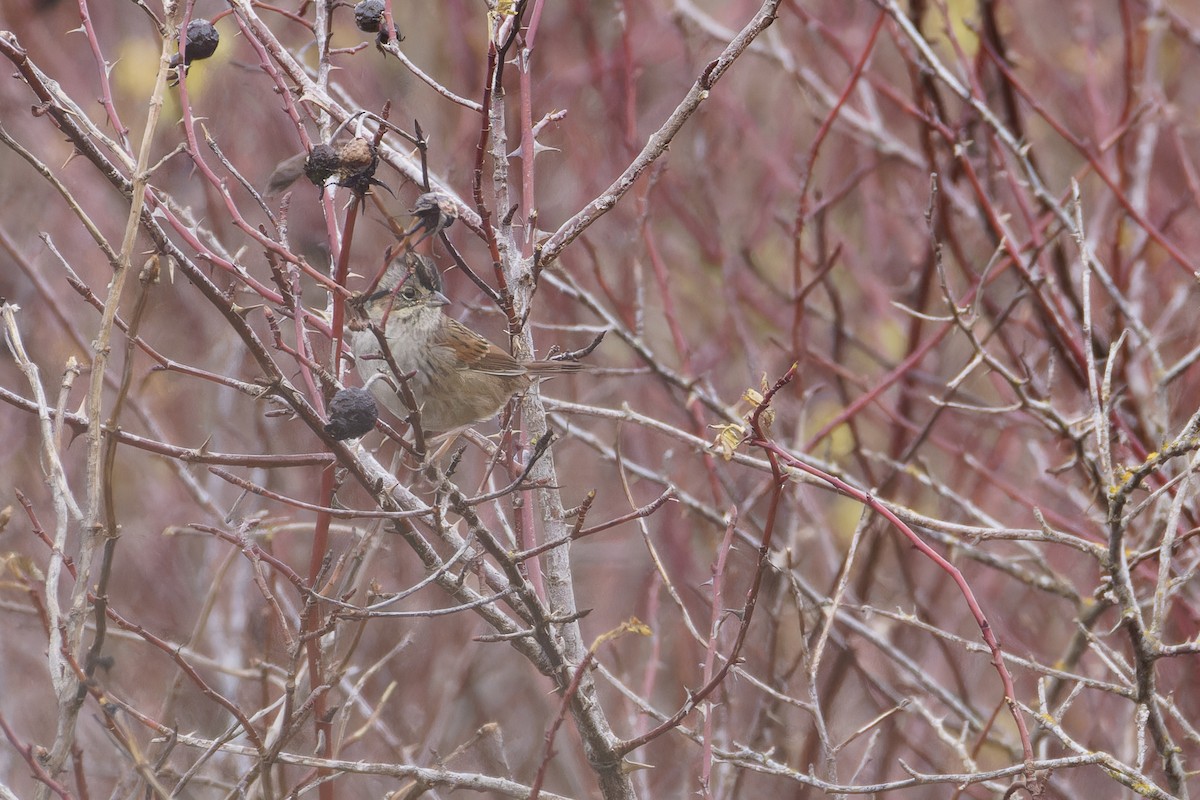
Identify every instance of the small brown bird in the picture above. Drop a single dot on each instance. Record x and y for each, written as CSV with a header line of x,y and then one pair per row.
x,y
458,377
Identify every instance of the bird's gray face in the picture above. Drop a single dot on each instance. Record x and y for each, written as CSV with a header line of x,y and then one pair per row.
x,y
412,300
410,293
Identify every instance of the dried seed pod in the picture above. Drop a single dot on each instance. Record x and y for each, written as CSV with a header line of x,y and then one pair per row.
x,y
356,155
368,15
352,413
202,40
435,211
321,163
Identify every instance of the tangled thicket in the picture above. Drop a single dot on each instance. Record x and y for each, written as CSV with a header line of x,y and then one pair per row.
x,y
879,479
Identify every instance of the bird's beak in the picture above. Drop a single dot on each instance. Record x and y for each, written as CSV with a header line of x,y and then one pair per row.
x,y
437,299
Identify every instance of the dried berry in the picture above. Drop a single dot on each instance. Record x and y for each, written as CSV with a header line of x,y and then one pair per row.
x,y
321,163
368,15
356,155
356,169
352,413
202,41
435,212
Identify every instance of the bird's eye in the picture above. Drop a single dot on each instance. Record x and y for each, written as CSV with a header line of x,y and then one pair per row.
x,y
408,292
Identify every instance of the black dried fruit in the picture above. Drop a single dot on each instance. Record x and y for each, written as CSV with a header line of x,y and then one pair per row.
x,y
202,41
368,15
321,163
352,413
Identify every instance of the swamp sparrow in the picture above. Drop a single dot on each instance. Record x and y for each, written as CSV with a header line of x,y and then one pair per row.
x,y
457,376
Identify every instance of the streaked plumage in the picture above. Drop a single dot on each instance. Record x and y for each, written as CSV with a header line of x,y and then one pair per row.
x,y
459,377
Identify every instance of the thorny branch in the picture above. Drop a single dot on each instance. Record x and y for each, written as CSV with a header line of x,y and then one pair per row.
x,y
967,227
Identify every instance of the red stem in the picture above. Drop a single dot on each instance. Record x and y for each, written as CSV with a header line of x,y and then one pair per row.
x,y
774,451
